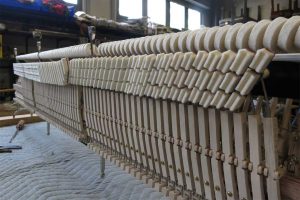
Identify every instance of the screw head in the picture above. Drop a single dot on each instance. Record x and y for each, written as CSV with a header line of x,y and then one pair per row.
x,y
206,183
217,188
229,194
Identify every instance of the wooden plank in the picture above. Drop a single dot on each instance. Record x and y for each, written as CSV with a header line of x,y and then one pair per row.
x,y
270,127
119,125
170,141
177,148
148,134
161,139
202,115
215,145
140,115
154,142
113,121
240,139
255,145
186,150
195,153
137,146
129,129
27,118
228,150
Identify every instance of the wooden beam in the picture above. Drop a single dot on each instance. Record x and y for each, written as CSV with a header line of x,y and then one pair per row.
x,y
9,121
7,90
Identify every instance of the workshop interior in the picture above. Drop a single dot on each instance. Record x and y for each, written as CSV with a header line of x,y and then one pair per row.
x,y
150,99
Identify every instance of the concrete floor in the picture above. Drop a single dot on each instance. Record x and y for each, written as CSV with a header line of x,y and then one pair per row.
x,y
57,167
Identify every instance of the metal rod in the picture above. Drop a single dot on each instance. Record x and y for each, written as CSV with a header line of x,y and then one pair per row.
x,y
268,109
48,128
102,166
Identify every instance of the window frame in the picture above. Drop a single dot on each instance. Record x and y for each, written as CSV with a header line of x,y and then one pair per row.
x,y
186,4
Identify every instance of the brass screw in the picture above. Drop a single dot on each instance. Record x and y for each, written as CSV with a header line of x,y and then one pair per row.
x,y
162,162
217,188
187,174
155,159
179,170
229,194
206,183
170,166
197,178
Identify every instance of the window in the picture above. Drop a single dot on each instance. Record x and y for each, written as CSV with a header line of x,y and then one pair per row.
x,y
176,16
194,19
131,9
71,1
157,11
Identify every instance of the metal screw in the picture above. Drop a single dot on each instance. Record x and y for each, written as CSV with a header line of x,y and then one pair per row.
x,y
229,194
206,183
217,188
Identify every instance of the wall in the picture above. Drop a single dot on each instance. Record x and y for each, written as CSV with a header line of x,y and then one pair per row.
x,y
100,8
265,7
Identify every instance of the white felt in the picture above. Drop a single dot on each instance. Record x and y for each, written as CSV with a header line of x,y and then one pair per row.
x,y
136,46
247,82
242,61
174,42
177,59
230,39
153,44
215,81
272,33
166,43
222,101
131,47
199,39
182,41
257,35
159,43
212,60
148,44
226,60
203,79
188,60
261,60
243,35
210,38
287,35
297,39
142,45
237,103
219,42
190,41
206,95
200,59
231,101
216,98
229,82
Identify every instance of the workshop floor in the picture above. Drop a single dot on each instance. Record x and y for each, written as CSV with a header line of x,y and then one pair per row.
x,y
57,167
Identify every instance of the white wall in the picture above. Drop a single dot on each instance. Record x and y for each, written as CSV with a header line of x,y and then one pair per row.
x,y
100,8
265,7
